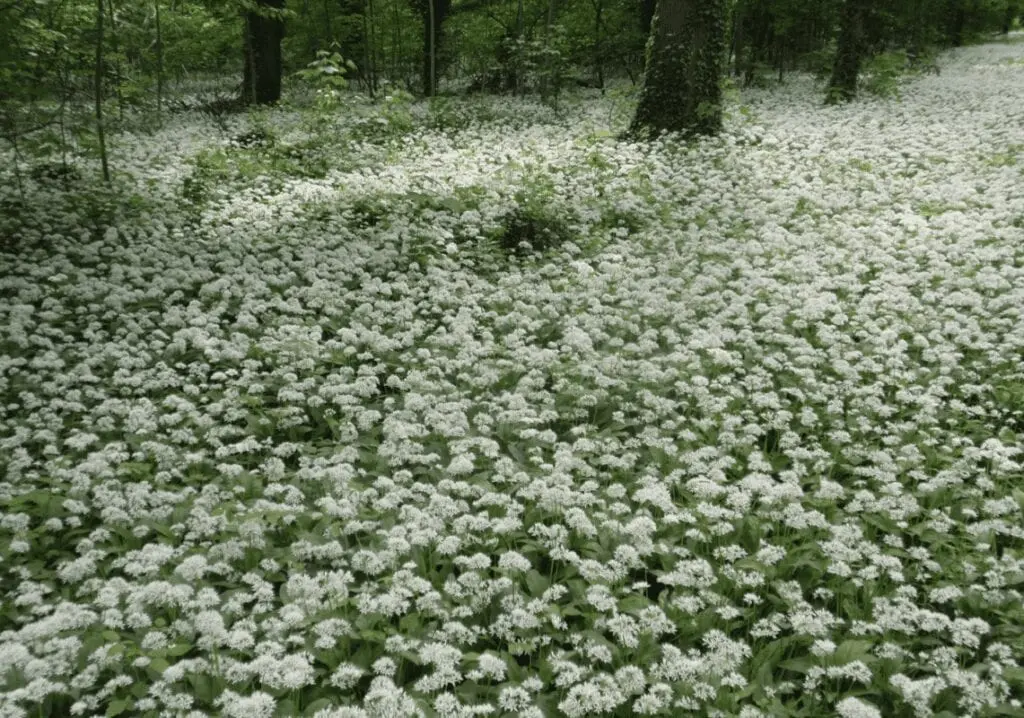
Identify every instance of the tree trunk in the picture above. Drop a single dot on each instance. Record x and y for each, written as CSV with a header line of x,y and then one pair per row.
x,y
956,20
735,41
159,64
681,91
843,85
262,75
100,136
118,77
647,8
433,13
370,35
599,42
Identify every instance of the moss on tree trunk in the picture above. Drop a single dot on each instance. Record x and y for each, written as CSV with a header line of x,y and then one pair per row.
x,y
682,90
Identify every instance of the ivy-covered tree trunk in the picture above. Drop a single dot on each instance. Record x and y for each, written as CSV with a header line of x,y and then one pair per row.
x,y
264,30
850,51
682,91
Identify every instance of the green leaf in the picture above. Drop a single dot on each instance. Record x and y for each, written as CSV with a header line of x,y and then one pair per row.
x,y
537,583
410,623
799,665
179,649
317,705
373,636
111,636
633,603
119,706
203,687
883,523
765,660
1014,675
412,657
852,650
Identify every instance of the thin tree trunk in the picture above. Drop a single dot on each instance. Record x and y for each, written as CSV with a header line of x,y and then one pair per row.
x,y
328,27
100,136
434,13
1008,16
518,56
599,42
433,49
735,39
546,84
396,41
159,63
13,139
681,91
370,40
117,62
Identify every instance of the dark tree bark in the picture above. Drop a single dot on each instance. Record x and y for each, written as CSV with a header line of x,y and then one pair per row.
x,y
434,13
98,92
735,40
850,51
599,42
681,91
956,21
159,62
647,8
261,84
1012,11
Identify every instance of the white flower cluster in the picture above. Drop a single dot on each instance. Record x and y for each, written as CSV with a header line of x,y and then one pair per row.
x,y
770,436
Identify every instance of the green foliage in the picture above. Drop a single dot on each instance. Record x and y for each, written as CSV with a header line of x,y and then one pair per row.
x,y
529,229
449,115
535,65
250,156
325,77
534,224
882,73
391,118
327,72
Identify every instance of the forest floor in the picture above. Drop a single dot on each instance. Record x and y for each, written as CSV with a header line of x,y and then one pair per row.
x,y
285,433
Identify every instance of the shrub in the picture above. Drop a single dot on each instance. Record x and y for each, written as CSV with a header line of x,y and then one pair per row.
x,y
526,230
882,73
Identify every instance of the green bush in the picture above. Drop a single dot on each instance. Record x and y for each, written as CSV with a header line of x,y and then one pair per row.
x,y
526,230
882,73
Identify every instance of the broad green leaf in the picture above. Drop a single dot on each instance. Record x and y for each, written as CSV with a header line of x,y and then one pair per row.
x,y
536,582
852,650
317,705
119,706
633,603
